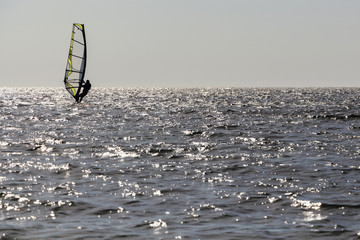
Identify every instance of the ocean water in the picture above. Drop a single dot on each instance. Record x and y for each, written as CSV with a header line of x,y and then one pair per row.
x,y
180,164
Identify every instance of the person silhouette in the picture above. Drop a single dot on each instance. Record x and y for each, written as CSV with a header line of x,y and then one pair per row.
x,y
86,88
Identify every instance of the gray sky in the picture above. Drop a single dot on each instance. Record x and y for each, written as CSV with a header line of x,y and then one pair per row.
x,y
184,43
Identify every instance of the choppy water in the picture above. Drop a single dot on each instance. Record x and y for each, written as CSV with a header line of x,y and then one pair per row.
x,y
180,164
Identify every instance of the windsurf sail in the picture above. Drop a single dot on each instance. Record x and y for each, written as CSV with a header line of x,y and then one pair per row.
x,y
76,62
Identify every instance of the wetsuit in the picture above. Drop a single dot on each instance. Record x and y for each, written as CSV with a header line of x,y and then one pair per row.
x,y
86,88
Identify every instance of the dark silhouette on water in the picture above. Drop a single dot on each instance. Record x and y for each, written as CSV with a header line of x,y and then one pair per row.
x,y
86,88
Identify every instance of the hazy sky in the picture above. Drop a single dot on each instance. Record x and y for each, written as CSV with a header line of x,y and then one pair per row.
x,y
184,43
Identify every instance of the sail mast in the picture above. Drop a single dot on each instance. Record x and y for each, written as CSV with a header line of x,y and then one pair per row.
x,y
83,64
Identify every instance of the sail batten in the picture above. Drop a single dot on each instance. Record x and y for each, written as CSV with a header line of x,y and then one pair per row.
x,y
77,56
78,42
76,62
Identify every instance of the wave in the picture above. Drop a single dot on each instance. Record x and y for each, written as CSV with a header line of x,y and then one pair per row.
x,y
337,116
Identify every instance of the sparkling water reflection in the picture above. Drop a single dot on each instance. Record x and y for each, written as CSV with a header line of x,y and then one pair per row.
x,y
180,164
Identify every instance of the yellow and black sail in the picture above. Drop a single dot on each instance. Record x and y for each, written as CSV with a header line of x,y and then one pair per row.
x,y
76,63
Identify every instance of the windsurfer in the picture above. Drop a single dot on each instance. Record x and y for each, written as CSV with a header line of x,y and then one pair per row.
x,y
86,88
